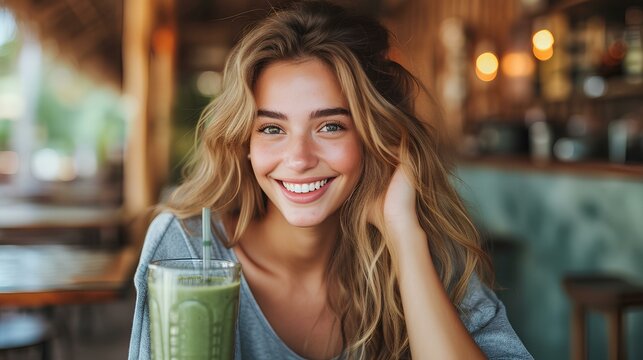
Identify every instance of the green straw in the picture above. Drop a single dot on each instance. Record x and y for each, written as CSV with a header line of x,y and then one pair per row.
x,y
207,243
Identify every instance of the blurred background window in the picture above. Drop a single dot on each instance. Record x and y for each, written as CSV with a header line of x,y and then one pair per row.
x,y
59,129
9,109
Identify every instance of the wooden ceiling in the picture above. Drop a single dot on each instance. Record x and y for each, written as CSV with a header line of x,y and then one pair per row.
x,y
89,32
86,32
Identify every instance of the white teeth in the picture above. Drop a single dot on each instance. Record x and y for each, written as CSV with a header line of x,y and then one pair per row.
x,y
304,188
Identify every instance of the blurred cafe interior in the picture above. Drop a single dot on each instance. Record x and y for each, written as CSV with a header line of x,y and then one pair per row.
x,y
542,113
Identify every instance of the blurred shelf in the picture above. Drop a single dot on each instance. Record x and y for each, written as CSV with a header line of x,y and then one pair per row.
x,y
632,172
616,89
581,9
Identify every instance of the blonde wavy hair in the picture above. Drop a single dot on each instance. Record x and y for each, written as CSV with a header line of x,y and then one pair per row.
x,y
381,95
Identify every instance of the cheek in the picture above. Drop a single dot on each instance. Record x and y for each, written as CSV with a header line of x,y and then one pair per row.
x,y
260,158
348,158
262,149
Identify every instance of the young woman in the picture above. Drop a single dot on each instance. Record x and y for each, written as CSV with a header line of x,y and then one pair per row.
x,y
331,194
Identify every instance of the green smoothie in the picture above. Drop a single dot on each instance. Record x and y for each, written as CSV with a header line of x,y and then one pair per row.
x,y
193,319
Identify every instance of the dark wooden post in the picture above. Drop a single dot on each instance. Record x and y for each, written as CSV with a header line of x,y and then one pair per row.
x,y
149,48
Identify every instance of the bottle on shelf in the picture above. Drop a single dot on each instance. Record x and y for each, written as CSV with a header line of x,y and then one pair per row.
x,y
633,60
540,135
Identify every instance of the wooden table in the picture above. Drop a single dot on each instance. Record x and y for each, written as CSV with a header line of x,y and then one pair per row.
x,y
29,216
23,223
47,275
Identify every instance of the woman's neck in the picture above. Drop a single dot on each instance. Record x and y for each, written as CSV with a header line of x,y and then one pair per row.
x,y
277,247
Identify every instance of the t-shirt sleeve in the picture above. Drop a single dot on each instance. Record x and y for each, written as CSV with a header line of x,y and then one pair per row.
x,y
485,318
165,239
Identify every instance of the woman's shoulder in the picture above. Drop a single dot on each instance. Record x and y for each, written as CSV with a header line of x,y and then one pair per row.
x,y
485,317
164,229
479,305
479,296
171,237
163,240
161,224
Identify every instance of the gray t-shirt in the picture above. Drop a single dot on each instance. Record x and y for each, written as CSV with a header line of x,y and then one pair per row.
x,y
169,238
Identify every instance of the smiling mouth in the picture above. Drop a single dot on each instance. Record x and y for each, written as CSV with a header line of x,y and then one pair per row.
x,y
305,188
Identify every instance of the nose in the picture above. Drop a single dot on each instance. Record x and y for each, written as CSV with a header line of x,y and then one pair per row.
x,y
300,153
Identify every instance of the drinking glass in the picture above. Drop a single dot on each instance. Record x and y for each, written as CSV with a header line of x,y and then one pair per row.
x,y
193,311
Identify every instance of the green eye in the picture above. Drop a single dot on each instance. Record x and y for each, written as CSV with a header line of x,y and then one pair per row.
x,y
271,130
332,127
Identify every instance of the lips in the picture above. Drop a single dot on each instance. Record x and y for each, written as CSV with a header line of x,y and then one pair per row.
x,y
304,192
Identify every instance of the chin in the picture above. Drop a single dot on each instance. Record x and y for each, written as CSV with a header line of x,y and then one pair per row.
x,y
303,221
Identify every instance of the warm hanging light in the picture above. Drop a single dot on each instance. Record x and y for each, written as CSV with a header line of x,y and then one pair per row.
x,y
543,39
543,55
543,44
487,66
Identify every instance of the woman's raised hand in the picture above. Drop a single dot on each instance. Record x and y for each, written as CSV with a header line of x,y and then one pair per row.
x,y
396,213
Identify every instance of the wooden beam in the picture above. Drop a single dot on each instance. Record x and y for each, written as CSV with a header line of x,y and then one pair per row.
x,y
149,53
161,101
138,183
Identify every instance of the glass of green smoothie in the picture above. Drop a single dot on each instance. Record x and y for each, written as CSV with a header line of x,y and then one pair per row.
x,y
193,311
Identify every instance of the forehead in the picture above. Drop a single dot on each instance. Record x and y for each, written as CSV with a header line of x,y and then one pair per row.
x,y
301,83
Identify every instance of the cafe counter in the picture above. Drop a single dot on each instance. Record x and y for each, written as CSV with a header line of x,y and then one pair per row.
x,y
552,223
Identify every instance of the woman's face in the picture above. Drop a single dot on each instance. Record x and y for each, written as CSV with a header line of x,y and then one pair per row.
x,y
304,149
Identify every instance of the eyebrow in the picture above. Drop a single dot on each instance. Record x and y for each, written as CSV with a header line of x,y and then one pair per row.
x,y
272,114
329,112
314,115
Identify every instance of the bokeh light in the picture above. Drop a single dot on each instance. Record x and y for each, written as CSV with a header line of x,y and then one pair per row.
x,y
543,39
517,64
48,165
209,83
543,55
487,66
543,45
594,86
